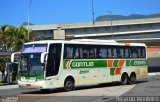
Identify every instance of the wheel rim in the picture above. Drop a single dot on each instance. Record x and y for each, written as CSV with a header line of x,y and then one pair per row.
x,y
69,84
124,79
133,78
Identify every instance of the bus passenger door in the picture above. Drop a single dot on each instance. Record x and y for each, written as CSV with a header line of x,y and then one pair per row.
x,y
53,62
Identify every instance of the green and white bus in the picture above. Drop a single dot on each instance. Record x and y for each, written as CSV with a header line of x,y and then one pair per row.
x,y
60,63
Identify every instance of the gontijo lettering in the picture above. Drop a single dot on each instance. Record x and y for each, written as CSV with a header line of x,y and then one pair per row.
x,y
82,64
139,62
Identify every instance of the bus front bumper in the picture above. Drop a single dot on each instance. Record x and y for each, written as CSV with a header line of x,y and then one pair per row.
x,y
32,85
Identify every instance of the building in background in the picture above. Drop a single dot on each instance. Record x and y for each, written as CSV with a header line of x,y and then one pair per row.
x,y
135,30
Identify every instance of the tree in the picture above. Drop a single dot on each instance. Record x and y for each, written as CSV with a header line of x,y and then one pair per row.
x,y
4,33
2,67
12,37
17,38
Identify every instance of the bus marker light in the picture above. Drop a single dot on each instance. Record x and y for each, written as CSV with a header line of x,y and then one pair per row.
x,y
127,44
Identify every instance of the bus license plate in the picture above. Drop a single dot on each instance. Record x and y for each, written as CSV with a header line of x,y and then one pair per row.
x,y
23,78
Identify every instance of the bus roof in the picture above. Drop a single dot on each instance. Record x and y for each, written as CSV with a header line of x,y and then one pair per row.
x,y
86,41
94,40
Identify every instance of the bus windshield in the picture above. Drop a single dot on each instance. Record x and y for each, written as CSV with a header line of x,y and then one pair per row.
x,y
29,63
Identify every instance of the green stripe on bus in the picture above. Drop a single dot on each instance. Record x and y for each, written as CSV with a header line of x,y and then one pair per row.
x,y
30,78
115,63
73,64
40,77
136,62
112,70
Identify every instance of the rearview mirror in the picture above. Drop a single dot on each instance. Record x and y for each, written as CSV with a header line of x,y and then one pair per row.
x,y
44,57
15,57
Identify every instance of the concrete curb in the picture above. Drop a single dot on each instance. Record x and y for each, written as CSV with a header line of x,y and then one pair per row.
x,y
9,87
156,73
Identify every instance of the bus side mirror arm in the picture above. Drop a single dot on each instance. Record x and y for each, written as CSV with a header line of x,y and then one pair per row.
x,y
13,56
44,57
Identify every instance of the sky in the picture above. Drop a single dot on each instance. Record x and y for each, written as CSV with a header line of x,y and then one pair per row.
x,y
15,12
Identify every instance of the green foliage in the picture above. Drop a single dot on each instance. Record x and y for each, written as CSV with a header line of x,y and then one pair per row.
x,y
4,32
16,38
12,37
2,64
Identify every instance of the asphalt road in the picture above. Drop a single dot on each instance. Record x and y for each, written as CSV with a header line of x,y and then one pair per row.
x,y
81,94
144,91
146,88
103,93
85,94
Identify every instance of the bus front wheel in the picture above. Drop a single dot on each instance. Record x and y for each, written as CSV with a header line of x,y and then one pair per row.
x,y
124,79
69,84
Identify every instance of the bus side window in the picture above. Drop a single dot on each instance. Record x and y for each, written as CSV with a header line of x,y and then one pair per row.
x,y
139,53
69,52
65,53
99,54
81,52
91,53
76,53
114,53
121,52
118,53
103,53
143,52
85,53
109,53
127,55
95,52
134,52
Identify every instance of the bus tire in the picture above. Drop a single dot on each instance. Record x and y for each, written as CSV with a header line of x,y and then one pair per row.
x,y
132,79
69,84
124,79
